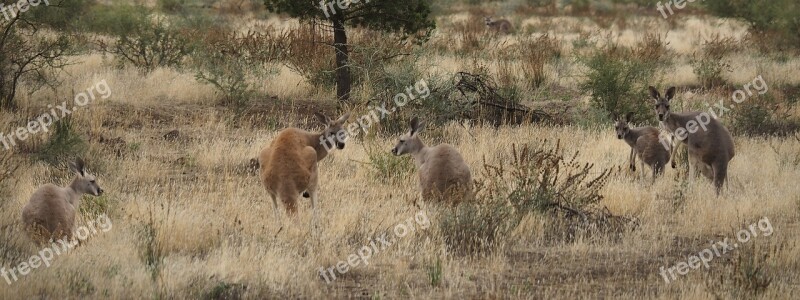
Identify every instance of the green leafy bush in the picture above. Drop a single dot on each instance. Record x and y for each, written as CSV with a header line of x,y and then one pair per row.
x,y
764,115
616,82
710,63
229,62
387,167
151,44
116,20
62,15
775,20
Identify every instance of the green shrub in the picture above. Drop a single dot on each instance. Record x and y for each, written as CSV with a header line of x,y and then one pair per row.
x,y
387,167
62,15
116,20
32,53
710,63
389,81
150,45
230,62
435,273
764,115
95,206
228,77
775,19
616,82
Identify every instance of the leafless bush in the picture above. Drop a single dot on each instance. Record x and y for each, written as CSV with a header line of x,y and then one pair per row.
x,y
652,49
477,96
534,54
309,53
540,179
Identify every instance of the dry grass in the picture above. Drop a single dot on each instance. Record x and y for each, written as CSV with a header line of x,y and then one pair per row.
x,y
191,221
213,223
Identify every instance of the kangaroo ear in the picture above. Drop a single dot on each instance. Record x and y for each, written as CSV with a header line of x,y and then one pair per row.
x,y
342,119
614,116
322,118
416,125
670,93
654,93
629,117
78,167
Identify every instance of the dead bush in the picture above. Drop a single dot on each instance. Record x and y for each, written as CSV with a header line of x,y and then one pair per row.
x,y
541,179
534,54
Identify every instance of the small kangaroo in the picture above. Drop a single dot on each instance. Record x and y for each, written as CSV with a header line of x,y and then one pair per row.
x,y
645,144
50,213
443,174
500,26
709,143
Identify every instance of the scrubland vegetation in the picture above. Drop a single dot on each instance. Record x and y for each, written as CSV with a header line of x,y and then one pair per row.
x,y
198,87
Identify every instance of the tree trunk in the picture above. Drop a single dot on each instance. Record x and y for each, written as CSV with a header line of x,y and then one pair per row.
x,y
342,60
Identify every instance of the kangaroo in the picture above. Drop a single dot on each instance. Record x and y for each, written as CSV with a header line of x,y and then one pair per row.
x,y
50,212
645,144
709,143
288,166
443,174
500,26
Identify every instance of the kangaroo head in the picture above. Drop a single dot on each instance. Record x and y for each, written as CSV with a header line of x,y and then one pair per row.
x,y
333,133
662,103
410,143
84,182
621,125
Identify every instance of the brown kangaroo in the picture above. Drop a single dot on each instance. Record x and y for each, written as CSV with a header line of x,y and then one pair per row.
x,y
289,163
708,142
500,26
645,144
